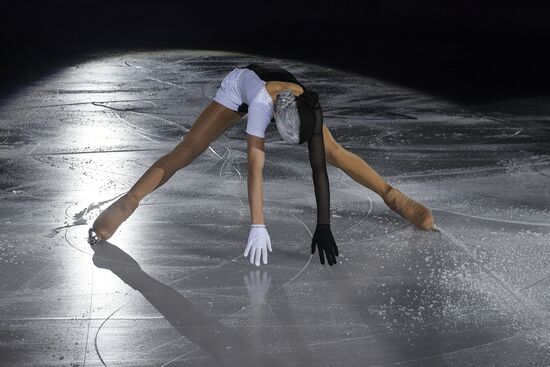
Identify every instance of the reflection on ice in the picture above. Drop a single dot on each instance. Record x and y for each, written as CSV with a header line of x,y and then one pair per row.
x,y
228,346
257,284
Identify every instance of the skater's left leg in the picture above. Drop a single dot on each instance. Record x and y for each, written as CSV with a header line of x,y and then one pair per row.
x,y
364,174
211,123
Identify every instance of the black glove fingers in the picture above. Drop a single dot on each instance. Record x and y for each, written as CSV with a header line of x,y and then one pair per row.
x,y
333,256
321,256
324,240
328,255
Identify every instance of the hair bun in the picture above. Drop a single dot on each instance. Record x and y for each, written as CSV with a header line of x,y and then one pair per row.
x,y
284,98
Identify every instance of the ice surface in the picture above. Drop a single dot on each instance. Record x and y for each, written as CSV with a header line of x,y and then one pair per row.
x,y
171,287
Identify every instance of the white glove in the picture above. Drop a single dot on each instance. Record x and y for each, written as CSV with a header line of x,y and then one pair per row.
x,y
258,244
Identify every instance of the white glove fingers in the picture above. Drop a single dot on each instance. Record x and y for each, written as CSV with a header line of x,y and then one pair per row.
x,y
257,256
248,245
264,254
252,254
257,246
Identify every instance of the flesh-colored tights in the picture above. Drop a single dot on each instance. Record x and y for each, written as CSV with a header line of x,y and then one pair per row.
x,y
211,123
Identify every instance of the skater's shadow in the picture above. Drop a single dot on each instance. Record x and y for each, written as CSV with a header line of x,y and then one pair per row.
x,y
227,346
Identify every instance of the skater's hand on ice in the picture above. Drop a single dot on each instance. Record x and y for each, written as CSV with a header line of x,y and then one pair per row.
x,y
258,244
324,239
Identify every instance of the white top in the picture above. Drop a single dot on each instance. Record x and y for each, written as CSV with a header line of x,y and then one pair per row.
x,y
244,86
260,104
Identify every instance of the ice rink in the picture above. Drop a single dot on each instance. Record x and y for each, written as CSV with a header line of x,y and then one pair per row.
x,y
172,288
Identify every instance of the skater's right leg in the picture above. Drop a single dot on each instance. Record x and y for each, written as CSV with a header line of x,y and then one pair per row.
x,y
211,123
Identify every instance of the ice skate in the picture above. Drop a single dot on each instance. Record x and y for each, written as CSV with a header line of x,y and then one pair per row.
x,y
409,209
108,222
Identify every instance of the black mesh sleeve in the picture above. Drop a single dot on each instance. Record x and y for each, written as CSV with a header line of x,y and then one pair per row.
x,y
316,149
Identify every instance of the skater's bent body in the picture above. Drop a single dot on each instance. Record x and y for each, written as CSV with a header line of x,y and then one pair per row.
x,y
264,92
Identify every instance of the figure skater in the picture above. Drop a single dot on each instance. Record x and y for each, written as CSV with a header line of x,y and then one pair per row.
x,y
264,92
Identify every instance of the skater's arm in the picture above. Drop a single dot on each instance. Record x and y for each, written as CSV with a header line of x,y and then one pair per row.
x,y
259,241
320,177
323,240
256,159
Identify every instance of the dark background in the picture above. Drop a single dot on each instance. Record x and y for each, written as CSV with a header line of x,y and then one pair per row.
x,y
466,50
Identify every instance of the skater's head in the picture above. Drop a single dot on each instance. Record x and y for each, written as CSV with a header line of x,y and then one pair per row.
x,y
296,117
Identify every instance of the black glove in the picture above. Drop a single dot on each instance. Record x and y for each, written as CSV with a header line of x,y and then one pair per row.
x,y
325,241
